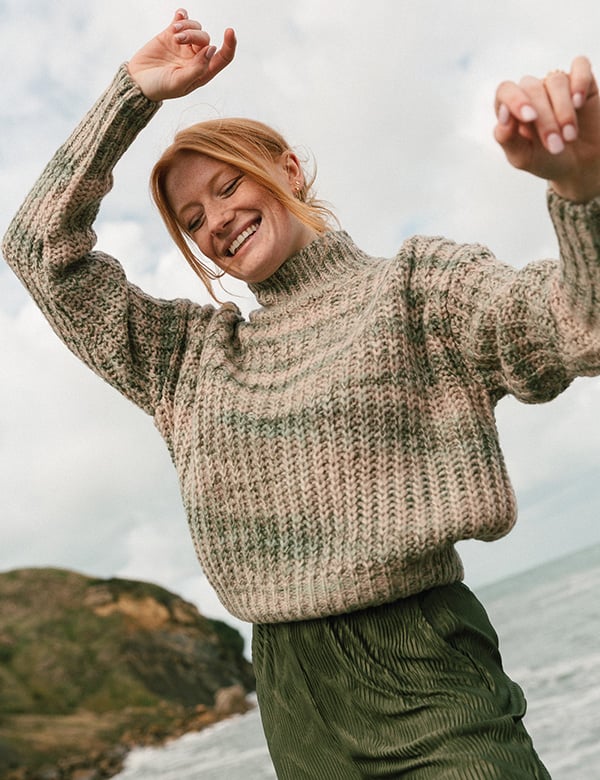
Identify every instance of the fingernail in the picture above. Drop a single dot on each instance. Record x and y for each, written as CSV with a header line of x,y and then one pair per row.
x,y
177,26
210,52
528,113
181,37
578,99
555,143
569,132
503,114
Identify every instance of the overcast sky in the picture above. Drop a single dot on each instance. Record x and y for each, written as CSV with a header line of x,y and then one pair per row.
x,y
394,101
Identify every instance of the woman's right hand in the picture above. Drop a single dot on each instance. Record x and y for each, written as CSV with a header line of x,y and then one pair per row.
x,y
179,59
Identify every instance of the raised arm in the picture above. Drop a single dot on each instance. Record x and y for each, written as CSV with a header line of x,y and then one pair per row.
x,y
130,339
531,331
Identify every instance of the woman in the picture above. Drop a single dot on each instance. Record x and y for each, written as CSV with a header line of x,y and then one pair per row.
x,y
333,448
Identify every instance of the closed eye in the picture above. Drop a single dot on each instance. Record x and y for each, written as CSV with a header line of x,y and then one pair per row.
x,y
231,186
195,224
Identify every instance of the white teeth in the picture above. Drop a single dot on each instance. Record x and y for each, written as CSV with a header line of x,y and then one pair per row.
x,y
241,238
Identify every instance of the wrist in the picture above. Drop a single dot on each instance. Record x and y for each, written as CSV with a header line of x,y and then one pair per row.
x,y
580,189
146,83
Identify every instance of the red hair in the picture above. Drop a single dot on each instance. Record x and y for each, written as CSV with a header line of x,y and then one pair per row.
x,y
248,145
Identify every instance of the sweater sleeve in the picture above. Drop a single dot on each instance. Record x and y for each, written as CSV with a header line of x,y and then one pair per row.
x,y
127,337
530,332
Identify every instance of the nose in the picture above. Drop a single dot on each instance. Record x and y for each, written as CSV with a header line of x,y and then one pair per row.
x,y
218,217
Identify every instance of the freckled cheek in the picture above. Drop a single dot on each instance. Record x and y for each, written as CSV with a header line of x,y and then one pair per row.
x,y
206,249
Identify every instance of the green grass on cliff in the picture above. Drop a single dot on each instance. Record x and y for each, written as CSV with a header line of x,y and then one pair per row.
x,y
76,651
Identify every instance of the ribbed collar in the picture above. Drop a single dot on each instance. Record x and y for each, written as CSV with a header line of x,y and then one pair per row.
x,y
318,264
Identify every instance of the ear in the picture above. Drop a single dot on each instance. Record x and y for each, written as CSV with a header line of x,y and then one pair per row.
x,y
293,170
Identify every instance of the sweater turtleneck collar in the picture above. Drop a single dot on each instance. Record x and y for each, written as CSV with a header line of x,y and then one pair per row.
x,y
328,257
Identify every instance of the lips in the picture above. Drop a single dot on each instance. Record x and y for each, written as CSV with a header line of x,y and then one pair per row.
x,y
242,237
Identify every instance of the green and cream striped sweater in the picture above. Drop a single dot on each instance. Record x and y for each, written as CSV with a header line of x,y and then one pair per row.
x,y
332,448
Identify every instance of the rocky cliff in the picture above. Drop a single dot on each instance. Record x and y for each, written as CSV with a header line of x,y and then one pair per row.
x,y
90,667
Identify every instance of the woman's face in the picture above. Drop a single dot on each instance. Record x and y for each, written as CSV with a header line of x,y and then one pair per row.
x,y
234,221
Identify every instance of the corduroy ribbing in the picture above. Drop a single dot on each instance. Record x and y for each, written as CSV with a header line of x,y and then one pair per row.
x,y
332,448
411,689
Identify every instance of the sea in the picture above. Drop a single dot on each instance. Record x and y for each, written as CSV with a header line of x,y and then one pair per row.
x,y
548,620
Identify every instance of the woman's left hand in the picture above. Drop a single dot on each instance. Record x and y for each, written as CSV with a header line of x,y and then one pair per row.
x,y
550,127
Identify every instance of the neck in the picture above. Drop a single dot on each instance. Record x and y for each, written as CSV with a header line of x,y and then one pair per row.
x,y
323,261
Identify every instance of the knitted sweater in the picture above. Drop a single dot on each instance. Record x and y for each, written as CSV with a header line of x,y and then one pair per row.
x,y
332,448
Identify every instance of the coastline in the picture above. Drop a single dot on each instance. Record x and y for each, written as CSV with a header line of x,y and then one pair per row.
x,y
102,763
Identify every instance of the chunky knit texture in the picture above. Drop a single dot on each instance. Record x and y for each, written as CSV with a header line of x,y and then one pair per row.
x,y
333,448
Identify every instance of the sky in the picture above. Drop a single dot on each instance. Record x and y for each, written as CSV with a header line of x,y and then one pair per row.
x,y
394,103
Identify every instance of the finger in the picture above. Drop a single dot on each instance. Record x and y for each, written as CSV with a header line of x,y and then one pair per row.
x,y
186,24
220,58
191,34
581,80
186,31
558,89
516,101
547,125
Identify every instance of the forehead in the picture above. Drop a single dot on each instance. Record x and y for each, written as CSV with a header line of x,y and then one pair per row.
x,y
191,174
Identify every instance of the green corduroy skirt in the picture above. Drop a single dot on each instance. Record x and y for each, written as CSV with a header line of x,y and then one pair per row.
x,y
413,689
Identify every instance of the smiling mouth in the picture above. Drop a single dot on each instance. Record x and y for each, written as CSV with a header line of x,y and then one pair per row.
x,y
243,236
